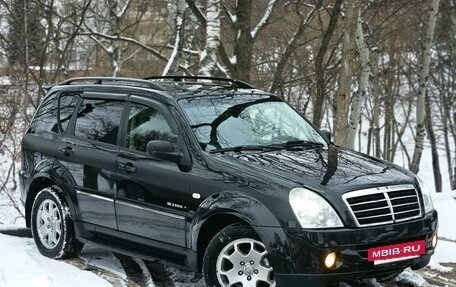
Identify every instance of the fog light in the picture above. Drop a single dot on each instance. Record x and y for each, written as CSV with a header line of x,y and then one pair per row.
x,y
434,240
330,260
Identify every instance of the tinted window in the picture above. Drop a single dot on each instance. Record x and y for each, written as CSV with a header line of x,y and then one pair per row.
x,y
99,120
146,124
46,116
236,120
67,104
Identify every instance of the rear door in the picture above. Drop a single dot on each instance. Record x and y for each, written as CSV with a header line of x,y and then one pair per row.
x,y
89,150
152,193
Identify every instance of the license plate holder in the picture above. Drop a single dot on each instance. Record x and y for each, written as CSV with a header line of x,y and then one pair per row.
x,y
396,252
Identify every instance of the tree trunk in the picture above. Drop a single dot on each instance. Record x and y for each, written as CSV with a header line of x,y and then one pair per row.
x,y
243,45
114,49
424,75
355,114
376,93
319,99
173,61
342,98
208,60
435,153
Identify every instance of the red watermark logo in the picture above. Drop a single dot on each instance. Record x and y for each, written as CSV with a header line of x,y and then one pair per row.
x,y
414,248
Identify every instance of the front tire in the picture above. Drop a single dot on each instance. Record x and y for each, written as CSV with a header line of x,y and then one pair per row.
x,y
52,227
237,257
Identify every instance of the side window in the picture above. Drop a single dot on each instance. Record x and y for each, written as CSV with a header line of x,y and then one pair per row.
x,y
99,120
45,119
146,124
67,104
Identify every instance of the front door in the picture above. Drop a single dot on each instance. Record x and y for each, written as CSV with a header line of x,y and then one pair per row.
x,y
151,193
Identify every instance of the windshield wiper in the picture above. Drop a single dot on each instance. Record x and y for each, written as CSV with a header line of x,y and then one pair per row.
x,y
246,148
299,143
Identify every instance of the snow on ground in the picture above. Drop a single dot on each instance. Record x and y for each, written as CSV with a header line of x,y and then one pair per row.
x,y
21,264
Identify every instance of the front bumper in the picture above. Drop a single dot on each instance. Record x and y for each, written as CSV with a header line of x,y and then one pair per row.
x,y
298,255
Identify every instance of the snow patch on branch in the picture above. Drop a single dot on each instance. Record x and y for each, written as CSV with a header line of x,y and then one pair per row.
x,y
264,20
124,9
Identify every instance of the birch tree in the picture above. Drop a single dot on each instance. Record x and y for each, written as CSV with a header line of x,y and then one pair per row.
x,y
173,61
208,59
355,113
239,63
423,80
342,97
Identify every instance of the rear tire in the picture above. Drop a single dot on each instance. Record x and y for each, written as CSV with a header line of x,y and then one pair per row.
x,y
52,226
237,257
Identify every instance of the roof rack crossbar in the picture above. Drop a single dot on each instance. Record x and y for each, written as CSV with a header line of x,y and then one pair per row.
x,y
234,82
100,80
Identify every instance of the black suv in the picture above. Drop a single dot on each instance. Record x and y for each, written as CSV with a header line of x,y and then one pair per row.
x,y
215,176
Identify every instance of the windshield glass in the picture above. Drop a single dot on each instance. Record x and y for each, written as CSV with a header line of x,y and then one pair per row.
x,y
245,120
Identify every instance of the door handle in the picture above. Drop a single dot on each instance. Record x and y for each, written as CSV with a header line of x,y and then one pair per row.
x,y
128,167
67,151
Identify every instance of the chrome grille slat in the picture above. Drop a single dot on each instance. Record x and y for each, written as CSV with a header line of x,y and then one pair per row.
x,y
388,204
371,209
367,202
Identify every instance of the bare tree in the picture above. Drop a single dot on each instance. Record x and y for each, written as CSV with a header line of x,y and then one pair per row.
x,y
355,113
319,99
291,46
424,75
173,60
208,59
342,97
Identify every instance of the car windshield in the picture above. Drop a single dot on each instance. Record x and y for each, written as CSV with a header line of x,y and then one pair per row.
x,y
229,121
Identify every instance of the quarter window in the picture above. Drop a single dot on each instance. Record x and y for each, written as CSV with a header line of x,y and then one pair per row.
x,y
146,124
99,120
45,119
67,104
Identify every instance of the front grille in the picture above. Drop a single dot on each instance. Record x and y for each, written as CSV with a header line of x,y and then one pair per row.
x,y
383,205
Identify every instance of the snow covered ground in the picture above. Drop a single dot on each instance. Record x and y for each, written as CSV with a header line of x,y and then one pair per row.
x,y
22,265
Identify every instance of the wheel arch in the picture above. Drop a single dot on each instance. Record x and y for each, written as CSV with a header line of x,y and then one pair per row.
x,y
48,178
224,209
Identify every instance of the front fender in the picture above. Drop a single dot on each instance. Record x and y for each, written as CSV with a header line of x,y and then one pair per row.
x,y
249,210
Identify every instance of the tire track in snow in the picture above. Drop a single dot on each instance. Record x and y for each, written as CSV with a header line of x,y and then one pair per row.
x,y
134,269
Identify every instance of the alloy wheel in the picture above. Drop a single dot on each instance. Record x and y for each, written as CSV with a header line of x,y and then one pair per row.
x,y
243,262
49,224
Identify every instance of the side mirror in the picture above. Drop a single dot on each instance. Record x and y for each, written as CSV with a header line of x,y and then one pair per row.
x,y
326,133
163,150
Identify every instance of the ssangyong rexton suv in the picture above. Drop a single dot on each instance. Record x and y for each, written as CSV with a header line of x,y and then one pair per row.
x,y
219,177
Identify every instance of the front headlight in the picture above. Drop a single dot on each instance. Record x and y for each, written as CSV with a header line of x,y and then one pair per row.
x,y
428,205
312,211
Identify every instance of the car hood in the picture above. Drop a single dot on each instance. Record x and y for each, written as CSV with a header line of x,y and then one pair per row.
x,y
328,170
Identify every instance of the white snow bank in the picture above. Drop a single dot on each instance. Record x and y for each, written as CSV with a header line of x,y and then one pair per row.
x,y
21,264
411,278
445,252
445,204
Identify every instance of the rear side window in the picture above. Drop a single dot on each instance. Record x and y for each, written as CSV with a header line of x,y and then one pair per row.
x,y
67,104
45,119
99,120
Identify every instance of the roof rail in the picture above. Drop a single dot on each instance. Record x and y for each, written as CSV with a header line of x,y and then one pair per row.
x,y
233,82
119,80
